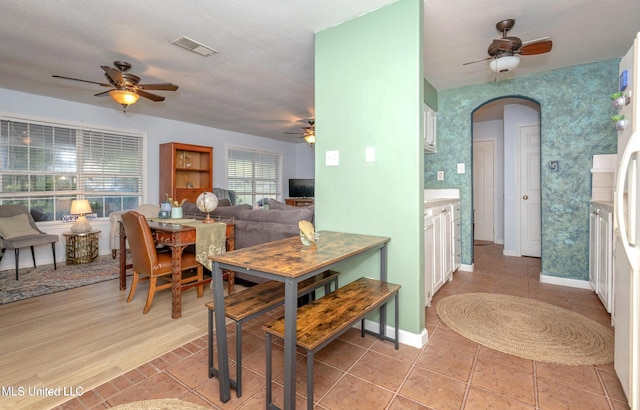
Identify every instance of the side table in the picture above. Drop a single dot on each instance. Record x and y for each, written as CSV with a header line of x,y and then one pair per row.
x,y
81,247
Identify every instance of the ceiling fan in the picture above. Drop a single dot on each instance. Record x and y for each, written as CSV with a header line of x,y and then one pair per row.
x,y
503,52
126,87
309,133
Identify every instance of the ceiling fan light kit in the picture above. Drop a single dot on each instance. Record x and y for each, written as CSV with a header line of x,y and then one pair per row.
x,y
124,97
504,64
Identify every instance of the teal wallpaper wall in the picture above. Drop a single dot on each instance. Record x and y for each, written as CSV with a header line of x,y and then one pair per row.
x,y
575,125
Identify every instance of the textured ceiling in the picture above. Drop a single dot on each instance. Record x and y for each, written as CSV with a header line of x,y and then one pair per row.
x,y
261,80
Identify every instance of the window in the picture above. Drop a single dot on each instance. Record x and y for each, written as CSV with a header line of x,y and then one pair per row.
x,y
45,166
253,175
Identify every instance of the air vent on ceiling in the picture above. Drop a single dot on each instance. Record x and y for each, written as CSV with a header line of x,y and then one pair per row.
x,y
192,45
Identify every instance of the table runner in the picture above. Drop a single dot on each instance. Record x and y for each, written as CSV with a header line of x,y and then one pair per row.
x,y
211,238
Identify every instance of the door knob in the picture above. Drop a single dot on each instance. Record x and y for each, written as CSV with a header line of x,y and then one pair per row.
x,y
525,197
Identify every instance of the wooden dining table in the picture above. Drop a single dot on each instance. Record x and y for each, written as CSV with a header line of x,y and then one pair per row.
x,y
176,236
288,261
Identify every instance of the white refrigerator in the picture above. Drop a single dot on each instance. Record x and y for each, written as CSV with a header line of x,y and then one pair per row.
x,y
626,310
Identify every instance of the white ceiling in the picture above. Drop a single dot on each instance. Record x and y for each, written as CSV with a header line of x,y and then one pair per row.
x,y
261,80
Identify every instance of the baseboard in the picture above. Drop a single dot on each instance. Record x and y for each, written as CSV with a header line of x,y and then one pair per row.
x,y
466,268
573,283
406,338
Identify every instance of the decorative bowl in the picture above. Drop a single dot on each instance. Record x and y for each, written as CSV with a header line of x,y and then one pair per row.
x,y
306,242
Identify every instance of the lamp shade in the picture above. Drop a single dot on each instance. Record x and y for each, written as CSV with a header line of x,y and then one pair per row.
x,y
124,97
80,207
504,64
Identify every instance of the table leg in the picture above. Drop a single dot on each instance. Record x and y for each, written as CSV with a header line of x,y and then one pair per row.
x,y
383,277
290,329
123,257
221,334
176,281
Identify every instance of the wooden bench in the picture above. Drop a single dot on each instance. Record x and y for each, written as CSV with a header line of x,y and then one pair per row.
x,y
250,303
323,320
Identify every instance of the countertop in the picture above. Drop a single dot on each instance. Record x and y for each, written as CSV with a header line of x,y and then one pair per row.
x,y
606,205
431,202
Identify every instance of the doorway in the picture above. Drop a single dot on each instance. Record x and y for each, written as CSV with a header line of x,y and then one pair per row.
x,y
506,150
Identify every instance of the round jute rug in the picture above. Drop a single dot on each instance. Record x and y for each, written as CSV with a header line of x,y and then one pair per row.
x,y
160,404
528,328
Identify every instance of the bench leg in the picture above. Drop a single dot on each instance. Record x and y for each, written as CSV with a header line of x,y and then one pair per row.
x,y
268,371
212,369
309,380
238,359
397,318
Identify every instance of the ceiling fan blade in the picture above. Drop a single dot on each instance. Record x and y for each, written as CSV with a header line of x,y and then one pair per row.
x,y
536,40
114,75
536,48
102,94
477,61
152,97
84,81
160,86
293,133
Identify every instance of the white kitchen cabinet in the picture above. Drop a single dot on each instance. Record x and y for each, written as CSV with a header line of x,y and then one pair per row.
x,y
430,127
457,248
439,250
601,254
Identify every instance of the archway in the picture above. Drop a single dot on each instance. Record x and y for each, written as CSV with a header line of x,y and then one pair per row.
x,y
506,174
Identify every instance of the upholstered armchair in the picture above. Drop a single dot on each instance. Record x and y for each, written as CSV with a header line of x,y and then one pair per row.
x,y
148,210
18,230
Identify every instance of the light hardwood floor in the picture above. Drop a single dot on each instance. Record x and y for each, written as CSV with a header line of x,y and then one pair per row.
x,y
86,336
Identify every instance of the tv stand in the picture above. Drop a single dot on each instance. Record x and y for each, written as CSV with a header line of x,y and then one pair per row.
x,y
299,201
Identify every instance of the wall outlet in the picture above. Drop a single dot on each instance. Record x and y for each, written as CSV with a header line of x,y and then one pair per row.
x,y
461,168
370,154
440,175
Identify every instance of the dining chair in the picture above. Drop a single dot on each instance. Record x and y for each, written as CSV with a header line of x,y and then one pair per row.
x,y
151,263
19,230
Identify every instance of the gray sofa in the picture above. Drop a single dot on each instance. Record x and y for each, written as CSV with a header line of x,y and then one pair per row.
x,y
256,226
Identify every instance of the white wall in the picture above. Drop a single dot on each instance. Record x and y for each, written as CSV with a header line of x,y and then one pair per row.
x,y
297,158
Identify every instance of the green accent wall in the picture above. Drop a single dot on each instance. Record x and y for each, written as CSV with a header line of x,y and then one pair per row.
x,y
369,93
575,125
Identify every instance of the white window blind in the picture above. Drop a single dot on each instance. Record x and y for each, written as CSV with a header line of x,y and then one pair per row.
x,y
45,166
253,175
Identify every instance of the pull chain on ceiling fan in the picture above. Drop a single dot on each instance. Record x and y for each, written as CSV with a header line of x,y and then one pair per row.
x,y
126,87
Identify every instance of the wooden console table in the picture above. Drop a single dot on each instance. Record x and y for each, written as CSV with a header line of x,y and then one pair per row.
x,y
288,261
299,201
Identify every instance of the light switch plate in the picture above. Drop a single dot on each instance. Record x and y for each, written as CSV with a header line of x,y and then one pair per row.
x,y
440,175
332,158
370,154
461,168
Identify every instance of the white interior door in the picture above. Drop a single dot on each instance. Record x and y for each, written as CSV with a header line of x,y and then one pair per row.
x,y
483,190
530,224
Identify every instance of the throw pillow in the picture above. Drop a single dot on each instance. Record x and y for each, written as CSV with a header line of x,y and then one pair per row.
x,y
15,226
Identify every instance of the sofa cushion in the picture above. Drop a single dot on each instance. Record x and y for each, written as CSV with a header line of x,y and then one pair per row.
x,y
190,210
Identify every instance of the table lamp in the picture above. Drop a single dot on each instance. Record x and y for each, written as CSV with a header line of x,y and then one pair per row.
x,y
80,207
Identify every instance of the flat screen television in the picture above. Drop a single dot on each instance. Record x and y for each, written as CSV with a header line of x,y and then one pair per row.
x,y
301,188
